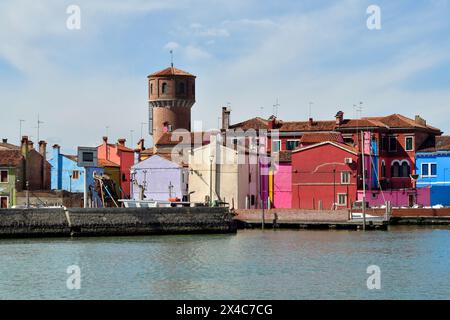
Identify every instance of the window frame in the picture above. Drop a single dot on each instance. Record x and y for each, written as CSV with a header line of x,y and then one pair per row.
x,y
348,174
7,201
412,143
7,176
338,199
77,175
390,145
292,140
429,166
279,145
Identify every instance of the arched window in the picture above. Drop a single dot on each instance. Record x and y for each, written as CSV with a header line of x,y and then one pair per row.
x,y
164,88
181,88
400,169
151,88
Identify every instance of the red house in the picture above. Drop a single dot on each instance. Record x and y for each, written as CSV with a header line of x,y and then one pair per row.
x,y
122,156
325,176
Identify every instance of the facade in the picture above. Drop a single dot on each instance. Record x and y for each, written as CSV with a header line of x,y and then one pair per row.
x,y
282,181
171,96
325,176
433,169
10,171
158,178
67,175
118,154
220,171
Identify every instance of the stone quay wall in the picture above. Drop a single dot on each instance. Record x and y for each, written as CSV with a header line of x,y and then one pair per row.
x,y
114,221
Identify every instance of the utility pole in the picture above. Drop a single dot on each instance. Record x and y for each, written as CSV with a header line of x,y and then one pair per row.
x,y
364,181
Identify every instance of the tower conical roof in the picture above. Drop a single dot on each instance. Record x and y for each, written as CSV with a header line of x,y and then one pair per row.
x,y
171,71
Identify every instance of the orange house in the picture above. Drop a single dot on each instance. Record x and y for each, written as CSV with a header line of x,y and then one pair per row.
x,y
122,156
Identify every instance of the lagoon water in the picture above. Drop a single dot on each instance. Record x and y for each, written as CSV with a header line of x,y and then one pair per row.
x,y
253,264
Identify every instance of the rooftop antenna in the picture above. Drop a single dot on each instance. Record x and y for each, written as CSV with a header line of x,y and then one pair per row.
x,y
131,133
310,109
275,108
171,58
107,131
142,129
20,128
39,122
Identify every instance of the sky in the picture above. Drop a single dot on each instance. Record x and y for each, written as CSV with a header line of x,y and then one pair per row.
x,y
89,82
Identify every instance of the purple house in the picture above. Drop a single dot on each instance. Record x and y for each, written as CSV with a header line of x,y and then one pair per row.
x,y
160,179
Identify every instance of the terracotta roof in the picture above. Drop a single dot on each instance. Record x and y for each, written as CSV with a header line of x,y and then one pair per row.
x,y
305,126
337,144
10,158
182,138
148,151
73,158
254,123
321,137
8,146
364,122
442,144
171,71
107,163
399,121
122,148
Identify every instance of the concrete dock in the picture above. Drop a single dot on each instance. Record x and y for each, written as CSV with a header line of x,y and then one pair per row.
x,y
60,222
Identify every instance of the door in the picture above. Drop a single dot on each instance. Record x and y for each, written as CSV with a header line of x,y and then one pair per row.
x,y
411,200
3,202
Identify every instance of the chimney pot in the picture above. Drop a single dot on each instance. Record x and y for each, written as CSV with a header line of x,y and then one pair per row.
x,y
121,142
105,139
339,118
5,140
311,121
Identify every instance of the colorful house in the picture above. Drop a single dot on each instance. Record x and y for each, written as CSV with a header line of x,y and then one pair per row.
x,y
325,176
228,175
282,181
122,156
158,178
67,175
433,169
22,168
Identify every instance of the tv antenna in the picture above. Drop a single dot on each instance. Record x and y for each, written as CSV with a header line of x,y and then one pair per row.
x,y
171,58
310,109
39,122
275,108
20,128
142,129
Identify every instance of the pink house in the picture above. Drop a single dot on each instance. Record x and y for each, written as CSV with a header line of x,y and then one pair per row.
x,y
282,181
398,198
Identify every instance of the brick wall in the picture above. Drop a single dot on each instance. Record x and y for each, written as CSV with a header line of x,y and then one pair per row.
x,y
285,215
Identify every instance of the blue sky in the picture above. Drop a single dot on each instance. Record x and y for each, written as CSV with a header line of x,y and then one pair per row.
x,y
246,53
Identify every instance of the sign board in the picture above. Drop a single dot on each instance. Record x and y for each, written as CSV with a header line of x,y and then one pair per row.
x,y
87,157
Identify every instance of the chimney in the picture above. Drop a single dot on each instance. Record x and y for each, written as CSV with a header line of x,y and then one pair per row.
x,y
105,140
225,118
140,145
420,121
24,146
339,118
311,121
44,173
43,149
30,145
121,142
5,140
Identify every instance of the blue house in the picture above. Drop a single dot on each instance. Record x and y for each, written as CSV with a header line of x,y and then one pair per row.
x,y
433,168
67,175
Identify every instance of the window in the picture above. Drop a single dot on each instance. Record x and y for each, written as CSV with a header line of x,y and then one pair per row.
x,y
409,145
124,177
342,199
193,89
276,146
4,202
4,176
181,88
164,88
88,157
429,170
345,177
151,88
392,144
252,200
75,175
400,169
292,144
383,169
384,143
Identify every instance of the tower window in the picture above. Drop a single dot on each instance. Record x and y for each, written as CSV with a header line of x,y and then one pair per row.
x,y
151,88
164,88
193,89
181,88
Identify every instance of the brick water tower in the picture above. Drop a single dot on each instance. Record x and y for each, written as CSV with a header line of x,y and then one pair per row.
x,y
171,97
